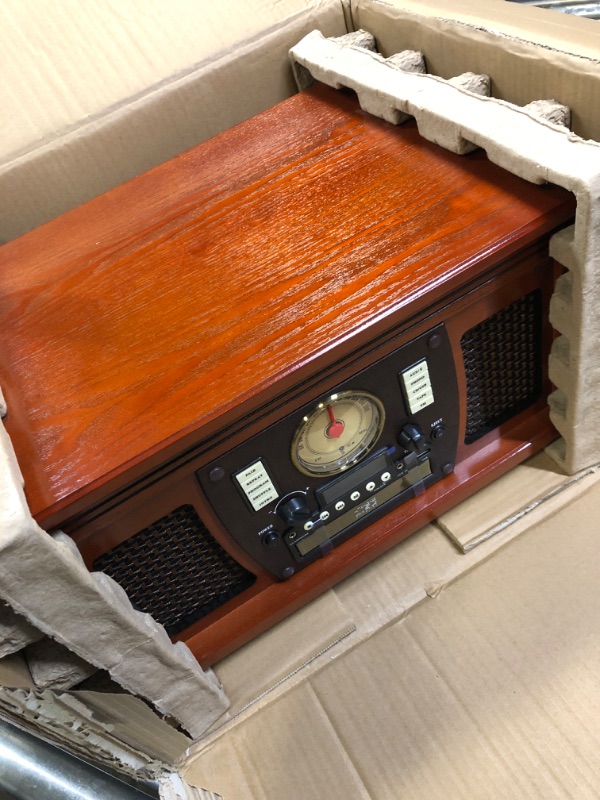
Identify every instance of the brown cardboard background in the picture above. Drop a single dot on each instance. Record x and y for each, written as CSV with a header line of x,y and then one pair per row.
x,y
557,647
463,37
488,690
153,105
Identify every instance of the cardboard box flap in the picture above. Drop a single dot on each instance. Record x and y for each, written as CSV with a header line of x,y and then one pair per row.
x,y
281,652
517,20
133,722
62,69
92,99
488,691
542,55
290,750
14,673
509,500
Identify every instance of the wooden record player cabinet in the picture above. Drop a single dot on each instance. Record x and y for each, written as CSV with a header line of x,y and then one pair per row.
x,y
163,323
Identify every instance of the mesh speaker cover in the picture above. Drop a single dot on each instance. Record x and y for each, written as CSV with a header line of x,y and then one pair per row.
x,y
503,364
175,570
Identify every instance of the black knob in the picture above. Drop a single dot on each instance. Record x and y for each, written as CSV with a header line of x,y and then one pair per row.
x,y
411,438
295,509
438,432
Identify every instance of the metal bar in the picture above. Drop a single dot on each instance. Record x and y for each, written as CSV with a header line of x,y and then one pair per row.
x,y
581,8
33,768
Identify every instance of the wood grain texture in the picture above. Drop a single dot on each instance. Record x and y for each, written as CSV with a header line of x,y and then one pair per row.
x,y
145,316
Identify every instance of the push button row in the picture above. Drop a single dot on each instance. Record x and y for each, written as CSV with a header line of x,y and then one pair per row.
x,y
385,477
340,505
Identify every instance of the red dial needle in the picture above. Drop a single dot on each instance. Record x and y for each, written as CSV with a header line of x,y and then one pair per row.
x,y
336,427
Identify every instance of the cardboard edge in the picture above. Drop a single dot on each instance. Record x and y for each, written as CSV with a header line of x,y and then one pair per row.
x,y
132,137
519,21
536,506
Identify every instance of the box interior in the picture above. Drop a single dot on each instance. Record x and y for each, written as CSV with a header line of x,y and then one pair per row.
x,y
476,684
463,663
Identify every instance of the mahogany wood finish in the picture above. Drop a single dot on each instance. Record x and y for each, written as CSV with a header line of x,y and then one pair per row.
x,y
148,313
168,319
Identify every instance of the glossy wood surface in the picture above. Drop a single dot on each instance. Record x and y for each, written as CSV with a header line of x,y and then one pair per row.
x,y
152,314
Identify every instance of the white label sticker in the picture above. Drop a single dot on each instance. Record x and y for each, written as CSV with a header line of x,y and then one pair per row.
x,y
417,384
257,485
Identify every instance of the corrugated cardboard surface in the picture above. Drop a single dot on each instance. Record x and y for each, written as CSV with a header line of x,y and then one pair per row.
x,y
462,36
285,650
386,590
93,94
536,487
488,690
531,23
14,673
52,53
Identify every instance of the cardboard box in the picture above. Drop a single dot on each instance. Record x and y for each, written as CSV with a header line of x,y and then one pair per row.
x,y
96,95
483,690
432,672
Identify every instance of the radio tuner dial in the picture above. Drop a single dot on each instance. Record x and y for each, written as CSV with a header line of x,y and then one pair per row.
x,y
337,433
294,510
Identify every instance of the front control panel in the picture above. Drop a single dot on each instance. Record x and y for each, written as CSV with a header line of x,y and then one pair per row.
x,y
293,492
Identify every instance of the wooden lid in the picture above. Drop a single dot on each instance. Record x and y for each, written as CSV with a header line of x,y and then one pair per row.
x,y
150,312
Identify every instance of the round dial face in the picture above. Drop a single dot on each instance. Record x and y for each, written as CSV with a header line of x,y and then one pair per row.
x,y
337,433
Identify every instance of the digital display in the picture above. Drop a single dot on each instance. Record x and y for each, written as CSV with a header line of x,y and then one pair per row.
x,y
328,494
309,543
256,485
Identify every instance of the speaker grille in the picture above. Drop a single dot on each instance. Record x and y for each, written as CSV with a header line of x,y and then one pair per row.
x,y
503,364
175,570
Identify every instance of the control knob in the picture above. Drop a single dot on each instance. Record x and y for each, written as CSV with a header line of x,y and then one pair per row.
x,y
294,510
411,438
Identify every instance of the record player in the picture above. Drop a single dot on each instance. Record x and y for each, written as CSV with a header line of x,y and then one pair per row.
x,y
246,373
